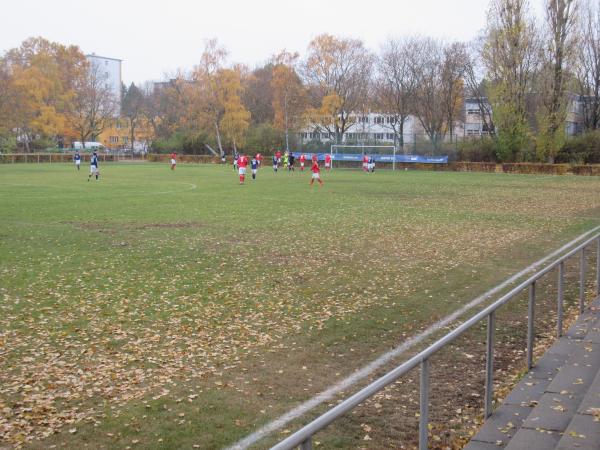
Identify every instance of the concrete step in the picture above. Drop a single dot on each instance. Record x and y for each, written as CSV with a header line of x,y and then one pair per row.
x,y
584,430
547,409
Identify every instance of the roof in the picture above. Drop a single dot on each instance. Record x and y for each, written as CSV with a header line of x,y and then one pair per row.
x,y
93,55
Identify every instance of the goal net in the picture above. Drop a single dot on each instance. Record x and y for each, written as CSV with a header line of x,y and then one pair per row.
x,y
381,153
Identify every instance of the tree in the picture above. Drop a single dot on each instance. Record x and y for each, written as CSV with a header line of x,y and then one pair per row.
x,y
94,105
208,95
235,119
341,70
258,94
588,66
476,85
396,85
44,76
453,73
288,93
427,61
561,21
511,57
132,109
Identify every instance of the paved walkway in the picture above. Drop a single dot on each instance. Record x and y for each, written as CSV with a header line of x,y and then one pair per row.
x,y
557,404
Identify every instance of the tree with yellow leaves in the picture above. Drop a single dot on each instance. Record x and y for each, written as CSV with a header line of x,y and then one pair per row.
x,y
218,97
340,69
289,95
44,79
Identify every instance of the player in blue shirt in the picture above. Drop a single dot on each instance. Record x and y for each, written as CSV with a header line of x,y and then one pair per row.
x,y
77,159
275,163
94,166
254,165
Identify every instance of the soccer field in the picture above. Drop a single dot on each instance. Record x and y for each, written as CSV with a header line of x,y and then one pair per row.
x,y
167,309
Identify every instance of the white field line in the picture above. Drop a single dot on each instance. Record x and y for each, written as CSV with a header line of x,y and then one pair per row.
x,y
360,374
191,187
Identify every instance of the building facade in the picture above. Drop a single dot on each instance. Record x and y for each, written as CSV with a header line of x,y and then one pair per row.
x,y
372,128
110,70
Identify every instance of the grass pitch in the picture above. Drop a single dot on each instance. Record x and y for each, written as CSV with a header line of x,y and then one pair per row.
x,y
167,309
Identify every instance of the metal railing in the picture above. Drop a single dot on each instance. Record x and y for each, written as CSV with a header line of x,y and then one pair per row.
x,y
303,437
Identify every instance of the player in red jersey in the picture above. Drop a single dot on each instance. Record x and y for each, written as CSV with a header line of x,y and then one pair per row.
x,y
365,163
173,160
278,156
316,173
242,163
327,162
315,158
302,161
259,158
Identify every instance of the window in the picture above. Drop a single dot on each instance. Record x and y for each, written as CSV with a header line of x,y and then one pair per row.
x,y
114,139
324,135
125,140
363,119
473,111
389,136
391,120
379,120
378,136
315,136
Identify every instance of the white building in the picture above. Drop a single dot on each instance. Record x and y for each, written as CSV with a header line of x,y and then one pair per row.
x,y
110,68
371,127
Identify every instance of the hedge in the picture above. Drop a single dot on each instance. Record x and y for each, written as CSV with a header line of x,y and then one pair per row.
x,y
529,168
586,170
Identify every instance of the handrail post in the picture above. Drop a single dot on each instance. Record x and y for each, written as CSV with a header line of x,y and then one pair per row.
x,y
582,281
598,269
489,365
307,444
561,295
424,406
530,325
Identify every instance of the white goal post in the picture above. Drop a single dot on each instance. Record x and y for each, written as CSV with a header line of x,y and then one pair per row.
x,y
364,149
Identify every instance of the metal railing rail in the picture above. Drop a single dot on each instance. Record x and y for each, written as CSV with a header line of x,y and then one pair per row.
x,y
303,437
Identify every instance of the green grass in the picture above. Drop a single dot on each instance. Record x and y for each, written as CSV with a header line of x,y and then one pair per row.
x,y
183,307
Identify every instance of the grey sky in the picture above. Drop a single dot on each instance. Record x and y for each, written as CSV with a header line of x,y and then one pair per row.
x,y
155,37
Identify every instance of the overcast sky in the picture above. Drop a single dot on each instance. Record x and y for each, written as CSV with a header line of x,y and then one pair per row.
x,y
156,37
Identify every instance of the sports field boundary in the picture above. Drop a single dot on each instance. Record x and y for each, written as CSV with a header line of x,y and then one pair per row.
x,y
370,368
456,166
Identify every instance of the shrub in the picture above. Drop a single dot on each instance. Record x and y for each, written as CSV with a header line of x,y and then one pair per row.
x,y
181,143
583,149
477,150
265,137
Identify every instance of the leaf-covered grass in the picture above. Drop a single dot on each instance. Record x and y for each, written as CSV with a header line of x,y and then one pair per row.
x,y
170,309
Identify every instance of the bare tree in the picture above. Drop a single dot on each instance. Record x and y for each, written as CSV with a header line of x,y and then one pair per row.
x,y
453,73
341,69
476,85
588,66
427,61
94,105
395,85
